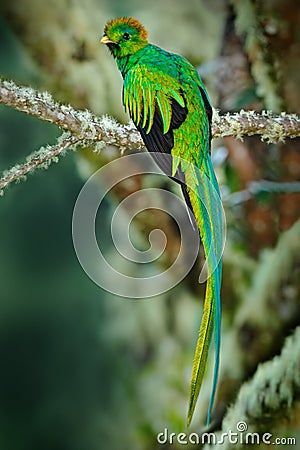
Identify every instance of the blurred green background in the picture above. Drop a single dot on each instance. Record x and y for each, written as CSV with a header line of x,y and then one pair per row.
x,y
81,368
65,380
61,374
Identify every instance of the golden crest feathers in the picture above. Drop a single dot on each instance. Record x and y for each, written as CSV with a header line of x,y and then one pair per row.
x,y
129,21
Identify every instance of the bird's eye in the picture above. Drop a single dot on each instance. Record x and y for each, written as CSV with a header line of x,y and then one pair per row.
x,y
126,36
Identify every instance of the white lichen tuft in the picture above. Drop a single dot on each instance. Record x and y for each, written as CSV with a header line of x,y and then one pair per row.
x,y
108,123
46,97
99,146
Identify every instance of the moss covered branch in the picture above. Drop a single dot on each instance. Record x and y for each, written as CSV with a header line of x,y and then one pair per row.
x,y
82,124
271,128
39,159
274,389
85,128
85,125
269,308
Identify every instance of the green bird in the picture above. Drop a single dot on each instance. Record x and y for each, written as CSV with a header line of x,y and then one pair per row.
x,y
169,105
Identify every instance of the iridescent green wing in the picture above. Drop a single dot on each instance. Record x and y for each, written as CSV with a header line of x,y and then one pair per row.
x,y
147,91
157,106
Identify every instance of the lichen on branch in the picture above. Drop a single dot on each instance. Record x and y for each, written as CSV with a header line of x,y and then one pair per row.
x,y
81,123
272,128
85,128
274,389
39,159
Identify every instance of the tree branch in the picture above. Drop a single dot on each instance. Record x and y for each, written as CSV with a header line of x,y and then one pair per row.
x,y
39,159
268,307
85,128
271,128
83,124
258,187
274,389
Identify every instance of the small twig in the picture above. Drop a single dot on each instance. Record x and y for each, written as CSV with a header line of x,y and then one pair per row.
x,y
40,158
262,186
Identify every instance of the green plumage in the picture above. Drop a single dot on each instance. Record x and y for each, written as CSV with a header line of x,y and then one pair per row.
x,y
169,105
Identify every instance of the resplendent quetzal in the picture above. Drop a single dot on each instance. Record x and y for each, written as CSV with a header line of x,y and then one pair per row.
x,y
169,105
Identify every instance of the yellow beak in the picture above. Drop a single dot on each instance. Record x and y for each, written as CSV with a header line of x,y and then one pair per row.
x,y
106,40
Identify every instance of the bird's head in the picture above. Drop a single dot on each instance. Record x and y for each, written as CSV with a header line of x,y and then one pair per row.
x,y
124,36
